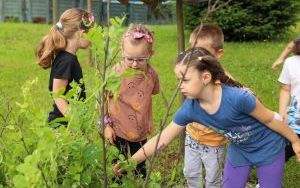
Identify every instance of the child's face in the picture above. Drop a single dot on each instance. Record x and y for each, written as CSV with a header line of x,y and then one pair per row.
x,y
136,56
193,82
207,43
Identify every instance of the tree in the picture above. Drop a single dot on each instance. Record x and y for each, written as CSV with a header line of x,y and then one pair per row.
x,y
248,20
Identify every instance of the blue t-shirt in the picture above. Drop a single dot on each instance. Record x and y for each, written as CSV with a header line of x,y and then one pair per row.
x,y
252,143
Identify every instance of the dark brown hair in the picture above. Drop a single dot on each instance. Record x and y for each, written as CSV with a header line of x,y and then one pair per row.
x,y
296,49
209,31
203,60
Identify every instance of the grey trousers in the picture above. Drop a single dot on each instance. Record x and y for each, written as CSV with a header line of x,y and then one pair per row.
x,y
198,155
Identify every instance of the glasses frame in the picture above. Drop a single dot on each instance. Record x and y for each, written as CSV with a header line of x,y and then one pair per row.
x,y
138,60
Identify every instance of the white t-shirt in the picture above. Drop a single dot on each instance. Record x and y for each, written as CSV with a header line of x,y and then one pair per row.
x,y
290,75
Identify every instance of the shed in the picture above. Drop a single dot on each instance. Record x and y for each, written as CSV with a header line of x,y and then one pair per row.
x,y
38,11
12,10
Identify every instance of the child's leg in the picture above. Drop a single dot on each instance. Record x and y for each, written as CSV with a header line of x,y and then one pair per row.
x,y
140,168
235,177
192,163
271,175
289,152
122,145
213,160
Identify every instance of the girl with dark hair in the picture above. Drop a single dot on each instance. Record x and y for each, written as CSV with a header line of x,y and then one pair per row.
x,y
256,135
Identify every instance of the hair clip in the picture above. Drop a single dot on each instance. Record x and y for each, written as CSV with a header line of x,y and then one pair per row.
x,y
200,58
140,35
88,21
59,26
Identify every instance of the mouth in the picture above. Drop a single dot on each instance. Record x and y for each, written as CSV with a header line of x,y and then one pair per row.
x,y
184,93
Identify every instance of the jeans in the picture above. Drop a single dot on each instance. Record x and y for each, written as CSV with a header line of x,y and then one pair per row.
x,y
198,155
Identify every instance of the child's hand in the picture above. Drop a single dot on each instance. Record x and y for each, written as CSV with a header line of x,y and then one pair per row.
x,y
284,118
277,63
296,148
110,135
117,169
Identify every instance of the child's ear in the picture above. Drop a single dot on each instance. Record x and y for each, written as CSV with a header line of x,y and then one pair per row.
x,y
219,53
206,77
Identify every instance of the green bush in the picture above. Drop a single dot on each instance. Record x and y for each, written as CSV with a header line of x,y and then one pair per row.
x,y
247,19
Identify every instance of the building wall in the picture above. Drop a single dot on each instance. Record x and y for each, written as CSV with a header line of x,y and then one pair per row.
x,y
40,11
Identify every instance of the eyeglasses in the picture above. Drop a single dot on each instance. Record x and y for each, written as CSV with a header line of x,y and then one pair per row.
x,y
138,60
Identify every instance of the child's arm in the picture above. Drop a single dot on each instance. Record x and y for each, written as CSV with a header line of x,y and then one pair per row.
x,y
167,135
84,44
61,103
267,117
288,49
109,132
284,99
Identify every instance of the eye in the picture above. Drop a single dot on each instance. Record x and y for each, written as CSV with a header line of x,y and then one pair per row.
x,y
130,59
139,60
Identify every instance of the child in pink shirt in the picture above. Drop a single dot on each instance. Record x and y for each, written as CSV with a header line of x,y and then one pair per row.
x,y
131,113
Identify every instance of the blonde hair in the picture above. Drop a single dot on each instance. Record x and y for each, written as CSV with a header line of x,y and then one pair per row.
x,y
56,40
145,34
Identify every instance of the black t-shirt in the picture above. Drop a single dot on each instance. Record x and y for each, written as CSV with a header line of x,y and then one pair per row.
x,y
65,66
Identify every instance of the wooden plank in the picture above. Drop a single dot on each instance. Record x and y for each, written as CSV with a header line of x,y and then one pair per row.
x,y
39,11
64,5
138,13
12,9
1,10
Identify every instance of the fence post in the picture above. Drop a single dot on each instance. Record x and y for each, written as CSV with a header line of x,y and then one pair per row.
x,y
54,11
1,11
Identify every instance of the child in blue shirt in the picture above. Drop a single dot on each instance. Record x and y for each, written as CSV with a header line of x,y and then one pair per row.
x,y
256,135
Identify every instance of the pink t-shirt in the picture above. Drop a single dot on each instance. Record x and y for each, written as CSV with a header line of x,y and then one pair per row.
x,y
131,114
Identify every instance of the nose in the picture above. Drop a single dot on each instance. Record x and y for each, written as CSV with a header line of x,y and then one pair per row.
x,y
134,63
181,87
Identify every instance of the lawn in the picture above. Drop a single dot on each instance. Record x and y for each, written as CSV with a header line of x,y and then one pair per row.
x,y
250,63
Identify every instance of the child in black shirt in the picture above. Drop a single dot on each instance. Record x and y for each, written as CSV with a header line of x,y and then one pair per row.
x,y
58,50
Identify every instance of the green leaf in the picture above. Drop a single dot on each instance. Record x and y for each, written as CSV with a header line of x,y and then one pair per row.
x,y
20,181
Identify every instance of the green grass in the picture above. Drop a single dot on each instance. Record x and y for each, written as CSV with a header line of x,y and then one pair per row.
x,y
250,63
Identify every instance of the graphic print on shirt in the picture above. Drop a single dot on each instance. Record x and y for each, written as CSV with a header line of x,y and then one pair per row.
x,y
131,85
293,112
237,135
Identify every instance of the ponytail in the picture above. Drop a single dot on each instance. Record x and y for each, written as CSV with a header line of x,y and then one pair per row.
x,y
229,81
71,21
49,46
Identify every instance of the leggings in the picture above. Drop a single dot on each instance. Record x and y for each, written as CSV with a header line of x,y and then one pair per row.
x,y
123,145
269,176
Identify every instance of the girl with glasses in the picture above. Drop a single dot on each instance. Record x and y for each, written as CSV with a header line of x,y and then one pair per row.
x,y
129,118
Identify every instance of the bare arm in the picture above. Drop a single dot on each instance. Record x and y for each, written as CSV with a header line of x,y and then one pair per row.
x,y
284,99
266,116
84,44
62,104
167,135
288,49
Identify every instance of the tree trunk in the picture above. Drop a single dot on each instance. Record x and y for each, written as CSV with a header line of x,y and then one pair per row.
x,y
89,9
181,48
180,26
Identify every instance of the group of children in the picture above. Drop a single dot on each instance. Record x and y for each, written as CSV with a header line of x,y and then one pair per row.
x,y
217,108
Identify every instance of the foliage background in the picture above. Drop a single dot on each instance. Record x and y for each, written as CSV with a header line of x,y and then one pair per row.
x,y
246,20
